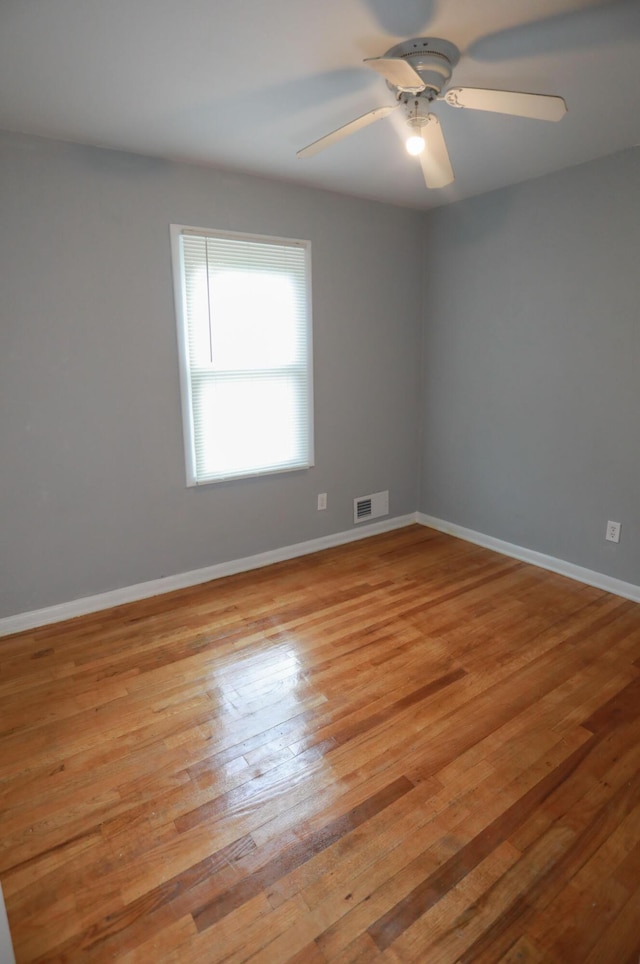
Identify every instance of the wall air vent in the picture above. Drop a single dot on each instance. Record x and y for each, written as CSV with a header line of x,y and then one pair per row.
x,y
371,506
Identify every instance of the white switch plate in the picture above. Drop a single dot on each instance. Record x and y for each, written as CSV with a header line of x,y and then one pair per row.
x,y
322,501
613,531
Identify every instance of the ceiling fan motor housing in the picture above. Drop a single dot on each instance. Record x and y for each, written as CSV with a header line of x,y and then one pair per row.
x,y
433,60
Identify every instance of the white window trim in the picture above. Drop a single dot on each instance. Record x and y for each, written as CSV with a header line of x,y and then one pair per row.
x,y
176,231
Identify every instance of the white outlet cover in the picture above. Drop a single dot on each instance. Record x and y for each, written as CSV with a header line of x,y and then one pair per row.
x,y
613,531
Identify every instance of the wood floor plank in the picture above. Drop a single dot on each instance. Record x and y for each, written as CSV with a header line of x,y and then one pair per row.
x,y
621,940
297,854
408,748
452,923
524,951
400,917
597,822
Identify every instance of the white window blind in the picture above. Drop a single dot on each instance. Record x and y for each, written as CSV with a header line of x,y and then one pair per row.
x,y
244,327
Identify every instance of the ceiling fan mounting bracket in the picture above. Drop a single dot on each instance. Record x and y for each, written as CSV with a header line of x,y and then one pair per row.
x,y
452,98
432,58
409,99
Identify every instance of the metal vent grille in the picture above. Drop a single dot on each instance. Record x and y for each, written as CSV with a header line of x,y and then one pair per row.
x,y
371,506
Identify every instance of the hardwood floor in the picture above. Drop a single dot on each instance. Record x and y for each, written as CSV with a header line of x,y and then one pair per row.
x,y
405,749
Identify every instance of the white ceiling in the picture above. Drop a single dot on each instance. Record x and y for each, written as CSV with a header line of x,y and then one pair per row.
x,y
245,83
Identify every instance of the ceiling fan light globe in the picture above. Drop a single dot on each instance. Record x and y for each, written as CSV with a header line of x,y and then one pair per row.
x,y
415,144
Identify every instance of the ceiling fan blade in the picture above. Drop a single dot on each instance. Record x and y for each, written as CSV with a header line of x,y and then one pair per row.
x,y
592,24
537,106
436,166
398,72
355,125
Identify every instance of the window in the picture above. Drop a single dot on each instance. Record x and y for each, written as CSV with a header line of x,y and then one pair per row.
x,y
243,307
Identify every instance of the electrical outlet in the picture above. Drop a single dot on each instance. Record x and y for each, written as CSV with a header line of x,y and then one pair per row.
x,y
613,531
322,501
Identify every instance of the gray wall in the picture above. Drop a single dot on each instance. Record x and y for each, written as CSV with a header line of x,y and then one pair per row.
x,y
531,365
530,407
92,486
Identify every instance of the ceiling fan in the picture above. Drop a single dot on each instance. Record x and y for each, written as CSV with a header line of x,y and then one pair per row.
x,y
418,71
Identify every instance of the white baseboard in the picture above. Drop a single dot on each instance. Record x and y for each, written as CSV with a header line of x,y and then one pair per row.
x,y
598,579
156,587
6,947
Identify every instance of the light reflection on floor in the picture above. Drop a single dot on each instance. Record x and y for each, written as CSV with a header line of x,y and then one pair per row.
x,y
265,695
